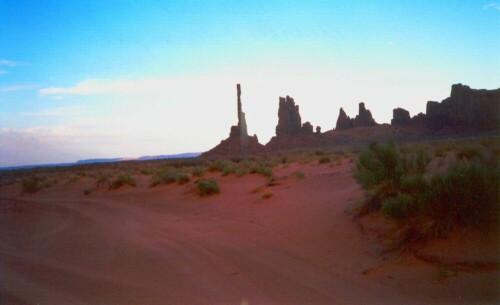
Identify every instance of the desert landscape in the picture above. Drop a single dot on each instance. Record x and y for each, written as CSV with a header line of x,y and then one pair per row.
x,y
201,152
288,227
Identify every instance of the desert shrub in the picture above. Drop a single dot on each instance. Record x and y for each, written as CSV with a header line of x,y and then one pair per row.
x,y
169,175
265,171
198,171
240,171
324,159
164,176
87,192
182,178
32,185
122,180
378,164
400,206
228,168
147,171
207,187
219,165
421,160
465,195
470,152
103,177
415,185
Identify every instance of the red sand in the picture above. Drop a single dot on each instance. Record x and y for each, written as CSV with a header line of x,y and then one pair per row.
x,y
165,245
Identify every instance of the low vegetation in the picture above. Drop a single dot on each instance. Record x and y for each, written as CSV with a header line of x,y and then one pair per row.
x,y
207,186
169,175
121,180
464,194
33,184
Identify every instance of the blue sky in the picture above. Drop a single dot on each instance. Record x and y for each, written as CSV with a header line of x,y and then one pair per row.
x,y
85,79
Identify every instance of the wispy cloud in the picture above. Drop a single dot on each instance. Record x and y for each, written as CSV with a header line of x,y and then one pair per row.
x,y
492,5
9,63
127,86
13,88
3,72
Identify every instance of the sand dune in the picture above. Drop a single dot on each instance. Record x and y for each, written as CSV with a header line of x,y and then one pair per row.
x,y
165,245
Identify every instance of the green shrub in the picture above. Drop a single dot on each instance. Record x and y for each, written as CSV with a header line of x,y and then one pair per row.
x,y
122,180
198,171
227,169
207,187
470,153
465,195
164,176
378,164
266,171
182,178
147,171
219,165
240,171
32,185
398,207
103,177
414,185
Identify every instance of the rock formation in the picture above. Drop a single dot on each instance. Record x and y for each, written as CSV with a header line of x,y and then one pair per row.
x,y
343,121
465,107
466,111
238,142
400,117
289,121
307,128
364,118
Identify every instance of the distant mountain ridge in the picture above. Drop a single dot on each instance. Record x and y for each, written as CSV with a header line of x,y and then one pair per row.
x,y
106,160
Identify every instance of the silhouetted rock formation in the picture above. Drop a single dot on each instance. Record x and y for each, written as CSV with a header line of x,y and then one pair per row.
x,y
307,128
466,112
364,117
465,107
400,117
238,142
289,121
290,133
343,121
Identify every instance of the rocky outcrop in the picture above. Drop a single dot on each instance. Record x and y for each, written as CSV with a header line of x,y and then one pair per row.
x,y
364,117
465,107
289,121
466,112
343,121
307,128
400,117
238,142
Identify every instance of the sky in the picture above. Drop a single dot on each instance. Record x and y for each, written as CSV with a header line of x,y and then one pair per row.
x,y
102,79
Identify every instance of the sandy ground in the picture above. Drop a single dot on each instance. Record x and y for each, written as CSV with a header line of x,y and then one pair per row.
x,y
166,245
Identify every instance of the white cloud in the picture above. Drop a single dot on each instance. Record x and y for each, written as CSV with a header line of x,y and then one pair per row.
x,y
12,88
493,5
3,72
